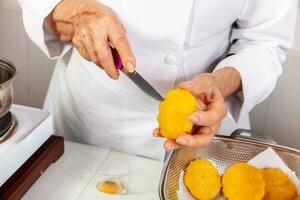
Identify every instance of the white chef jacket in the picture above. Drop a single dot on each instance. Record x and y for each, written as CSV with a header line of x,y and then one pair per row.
x,y
173,41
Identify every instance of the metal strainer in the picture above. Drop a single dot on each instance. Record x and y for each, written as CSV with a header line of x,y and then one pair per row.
x,y
222,152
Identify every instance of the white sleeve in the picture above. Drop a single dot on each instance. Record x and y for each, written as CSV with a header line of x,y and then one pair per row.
x,y
260,37
34,13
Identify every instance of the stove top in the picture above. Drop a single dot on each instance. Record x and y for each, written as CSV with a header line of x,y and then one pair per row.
x,y
5,123
34,127
8,125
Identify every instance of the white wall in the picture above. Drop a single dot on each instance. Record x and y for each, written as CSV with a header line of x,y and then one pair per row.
x,y
34,69
279,115
297,38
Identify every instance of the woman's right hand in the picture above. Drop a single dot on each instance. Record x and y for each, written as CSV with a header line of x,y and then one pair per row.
x,y
92,27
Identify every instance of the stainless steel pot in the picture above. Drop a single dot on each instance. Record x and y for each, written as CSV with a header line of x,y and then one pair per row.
x,y
7,75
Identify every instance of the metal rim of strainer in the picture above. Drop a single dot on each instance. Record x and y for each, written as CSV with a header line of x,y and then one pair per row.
x,y
165,170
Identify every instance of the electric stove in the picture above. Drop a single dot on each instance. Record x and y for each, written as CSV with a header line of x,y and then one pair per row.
x,y
22,132
8,126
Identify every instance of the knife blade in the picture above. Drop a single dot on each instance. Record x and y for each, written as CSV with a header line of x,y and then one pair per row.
x,y
144,85
136,78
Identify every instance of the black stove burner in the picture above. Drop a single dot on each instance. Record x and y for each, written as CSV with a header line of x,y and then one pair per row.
x,y
5,123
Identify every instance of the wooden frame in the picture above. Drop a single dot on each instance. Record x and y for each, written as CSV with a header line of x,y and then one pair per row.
x,y
21,181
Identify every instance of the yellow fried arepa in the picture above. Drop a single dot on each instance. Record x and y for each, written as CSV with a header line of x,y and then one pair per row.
x,y
243,182
278,185
174,111
202,180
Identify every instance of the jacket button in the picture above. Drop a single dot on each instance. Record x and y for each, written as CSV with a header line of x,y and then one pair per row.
x,y
174,60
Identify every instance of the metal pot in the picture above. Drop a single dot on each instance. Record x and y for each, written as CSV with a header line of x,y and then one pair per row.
x,y
7,75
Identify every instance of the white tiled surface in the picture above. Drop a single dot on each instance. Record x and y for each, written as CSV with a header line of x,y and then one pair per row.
x,y
140,175
76,174
65,179
91,193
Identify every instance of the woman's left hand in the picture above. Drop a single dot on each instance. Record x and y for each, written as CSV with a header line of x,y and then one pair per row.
x,y
206,122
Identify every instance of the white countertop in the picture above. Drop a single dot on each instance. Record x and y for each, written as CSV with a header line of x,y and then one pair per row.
x,y
76,174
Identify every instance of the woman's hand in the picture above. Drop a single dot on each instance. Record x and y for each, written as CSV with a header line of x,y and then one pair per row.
x,y
92,27
211,89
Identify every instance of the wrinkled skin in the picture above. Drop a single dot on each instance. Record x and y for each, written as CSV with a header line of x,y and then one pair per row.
x,y
92,28
211,89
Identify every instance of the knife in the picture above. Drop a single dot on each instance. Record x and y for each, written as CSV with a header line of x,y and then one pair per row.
x,y
137,79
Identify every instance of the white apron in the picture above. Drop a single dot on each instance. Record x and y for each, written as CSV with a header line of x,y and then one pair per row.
x,y
91,108
173,40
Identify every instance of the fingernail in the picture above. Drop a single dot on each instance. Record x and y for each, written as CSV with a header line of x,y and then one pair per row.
x,y
185,85
114,77
110,76
194,119
176,147
173,147
130,67
169,147
182,141
189,87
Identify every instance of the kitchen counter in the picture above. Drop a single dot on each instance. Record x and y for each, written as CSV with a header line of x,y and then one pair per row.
x,y
76,174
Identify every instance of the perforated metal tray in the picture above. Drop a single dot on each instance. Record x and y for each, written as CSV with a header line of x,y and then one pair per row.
x,y
222,152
